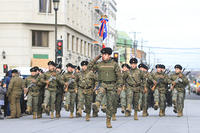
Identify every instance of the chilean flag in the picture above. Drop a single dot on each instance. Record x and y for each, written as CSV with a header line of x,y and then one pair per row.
x,y
103,29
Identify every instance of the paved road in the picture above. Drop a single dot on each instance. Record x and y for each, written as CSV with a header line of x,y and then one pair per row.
x,y
190,123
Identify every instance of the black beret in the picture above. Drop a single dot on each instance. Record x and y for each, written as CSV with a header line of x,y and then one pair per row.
x,y
37,68
84,63
33,69
146,67
141,65
133,61
158,66
51,63
178,66
125,65
70,65
106,50
14,71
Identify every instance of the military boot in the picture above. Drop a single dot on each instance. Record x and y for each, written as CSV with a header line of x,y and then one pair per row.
x,y
161,113
87,118
103,109
144,113
123,109
128,109
114,117
34,115
28,110
52,114
67,107
57,114
180,113
135,115
96,106
71,115
79,112
156,105
108,123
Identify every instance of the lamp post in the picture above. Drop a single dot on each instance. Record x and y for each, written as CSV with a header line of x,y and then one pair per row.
x,y
56,6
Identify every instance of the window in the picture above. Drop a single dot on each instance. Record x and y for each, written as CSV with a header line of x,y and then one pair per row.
x,y
85,48
68,41
77,45
81,48
73,43
45,6
40,38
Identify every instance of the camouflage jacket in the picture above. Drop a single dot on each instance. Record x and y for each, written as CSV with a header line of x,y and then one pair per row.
x,y
69,77
180,80
31,84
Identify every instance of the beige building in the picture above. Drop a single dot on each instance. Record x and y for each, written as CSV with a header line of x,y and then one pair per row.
x,y
27,31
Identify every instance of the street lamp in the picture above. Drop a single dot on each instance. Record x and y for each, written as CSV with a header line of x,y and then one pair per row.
x,y
56,6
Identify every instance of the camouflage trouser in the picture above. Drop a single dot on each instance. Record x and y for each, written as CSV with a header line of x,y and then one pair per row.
x,y
70,100
136,96
40,101
126,97
174,95
178,99
103,101
35,103
85,98
59,98
143,101
160,98
50,98
29,100
116,97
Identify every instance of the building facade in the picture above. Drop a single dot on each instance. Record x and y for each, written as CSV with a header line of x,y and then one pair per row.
x,y
27,31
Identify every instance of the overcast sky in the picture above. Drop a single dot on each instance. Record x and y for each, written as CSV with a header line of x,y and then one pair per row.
x,y
165,24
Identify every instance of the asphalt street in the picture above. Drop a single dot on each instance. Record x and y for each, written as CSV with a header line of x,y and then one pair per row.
x,y
189,123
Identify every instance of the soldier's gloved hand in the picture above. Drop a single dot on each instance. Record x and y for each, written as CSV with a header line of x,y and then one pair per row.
x,y
66,84
97,58
173,83
180,80
145,90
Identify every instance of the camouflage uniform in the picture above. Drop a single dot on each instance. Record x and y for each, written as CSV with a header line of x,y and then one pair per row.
x,y
50,90
85,81
14,93
160,91
133,80
70,94
180,81
109,76
33,93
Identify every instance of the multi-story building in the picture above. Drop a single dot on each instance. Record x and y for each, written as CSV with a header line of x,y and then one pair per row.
x,y
27,34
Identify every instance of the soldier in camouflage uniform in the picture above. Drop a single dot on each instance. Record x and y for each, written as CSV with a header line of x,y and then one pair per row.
x,y
143,101
41,93
179,82
126,93
51,81
85,81
160,80
133,79
32,90
68,80
109,76
14,93
59,94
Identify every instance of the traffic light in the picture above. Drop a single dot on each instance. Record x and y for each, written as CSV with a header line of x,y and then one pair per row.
x,y
116,56
59,47
5,68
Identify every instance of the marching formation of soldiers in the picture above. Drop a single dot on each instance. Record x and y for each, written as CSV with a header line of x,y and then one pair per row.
x,y
97,85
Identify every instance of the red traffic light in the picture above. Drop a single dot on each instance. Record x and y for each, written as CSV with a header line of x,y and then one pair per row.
x,y
59,43
5,66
